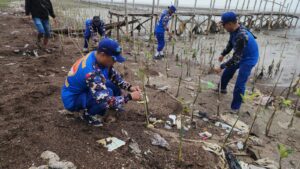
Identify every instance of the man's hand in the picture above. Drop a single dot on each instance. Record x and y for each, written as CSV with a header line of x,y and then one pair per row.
x,y
221,58
217,70
136,96
135,88
55,22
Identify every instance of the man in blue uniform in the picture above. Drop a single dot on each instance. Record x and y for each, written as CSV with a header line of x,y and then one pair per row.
x,y
94,86
245,57
93,27
160,29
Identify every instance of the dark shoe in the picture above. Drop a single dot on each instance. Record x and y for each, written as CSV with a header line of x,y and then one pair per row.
x,y
223,91
157,57
91,120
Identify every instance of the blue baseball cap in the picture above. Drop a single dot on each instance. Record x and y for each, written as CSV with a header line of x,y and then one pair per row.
x,y
172,8
112,48
228,17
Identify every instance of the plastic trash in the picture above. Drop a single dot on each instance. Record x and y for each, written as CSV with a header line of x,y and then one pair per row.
x,y
157,140
111,143
205,135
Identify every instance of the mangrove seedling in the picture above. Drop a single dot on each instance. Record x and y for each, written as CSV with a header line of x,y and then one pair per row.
x,y
273,90
295,108
199,90
284,152
141,74
185,111
179,80
270,121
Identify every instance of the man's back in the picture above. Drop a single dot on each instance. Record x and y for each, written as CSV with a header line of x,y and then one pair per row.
x,y
39,8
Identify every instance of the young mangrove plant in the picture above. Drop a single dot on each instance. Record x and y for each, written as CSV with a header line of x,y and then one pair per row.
x,y
141,74
179,80
270,121
284,152
184,112
274,89
199,90
295,108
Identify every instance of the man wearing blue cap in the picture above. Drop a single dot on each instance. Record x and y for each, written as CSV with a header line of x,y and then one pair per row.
x,y
160,29
94,86
93,27
245,57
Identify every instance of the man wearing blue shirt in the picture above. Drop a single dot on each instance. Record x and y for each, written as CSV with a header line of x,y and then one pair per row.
x,y
160,29
245,57
94,86
93,27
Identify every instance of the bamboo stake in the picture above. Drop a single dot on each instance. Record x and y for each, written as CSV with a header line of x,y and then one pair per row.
x,y
151,23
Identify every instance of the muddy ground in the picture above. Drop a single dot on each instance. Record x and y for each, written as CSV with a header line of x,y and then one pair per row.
x,y
32,120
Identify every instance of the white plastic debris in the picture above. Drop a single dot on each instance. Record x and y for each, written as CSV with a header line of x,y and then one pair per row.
x,y
240,145
111,143
163,88
157,140
205,135
226,127
26,45
135,148
230,120
267,163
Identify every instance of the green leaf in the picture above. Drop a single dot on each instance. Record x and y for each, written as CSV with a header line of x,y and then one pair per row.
x,y
298,92
283,151
286,102
210,85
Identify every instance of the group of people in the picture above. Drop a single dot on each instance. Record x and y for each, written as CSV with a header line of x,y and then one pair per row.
x,y
93,86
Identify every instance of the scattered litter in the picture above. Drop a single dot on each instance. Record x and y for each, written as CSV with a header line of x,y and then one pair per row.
x,y
249,166
230,119
35,53
135,148
157,140
232,161
168,127
125,133
152,119
7,46
256,141
26,45
267,163
111,143
163,88
214,148
226,127
240,145
171,121
16,51
205,135
2,57
40,167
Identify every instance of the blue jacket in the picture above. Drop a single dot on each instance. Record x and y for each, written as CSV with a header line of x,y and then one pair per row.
x,y
162,24
243,42
89,28
88,76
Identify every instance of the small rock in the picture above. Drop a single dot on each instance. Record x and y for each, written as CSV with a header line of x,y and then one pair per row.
x,y
124,132
49,155
61,165
240,145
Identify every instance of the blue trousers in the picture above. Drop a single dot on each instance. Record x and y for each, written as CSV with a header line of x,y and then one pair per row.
x,y
86,100
42,26
240,84
160,36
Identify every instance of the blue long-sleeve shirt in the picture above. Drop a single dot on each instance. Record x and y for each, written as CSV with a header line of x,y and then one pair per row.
x,y
162,24
91,30
245,48
88,76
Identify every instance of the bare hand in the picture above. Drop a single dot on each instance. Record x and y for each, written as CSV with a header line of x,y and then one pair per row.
x,y
55,22
135,88
136,96
221,58
217,70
